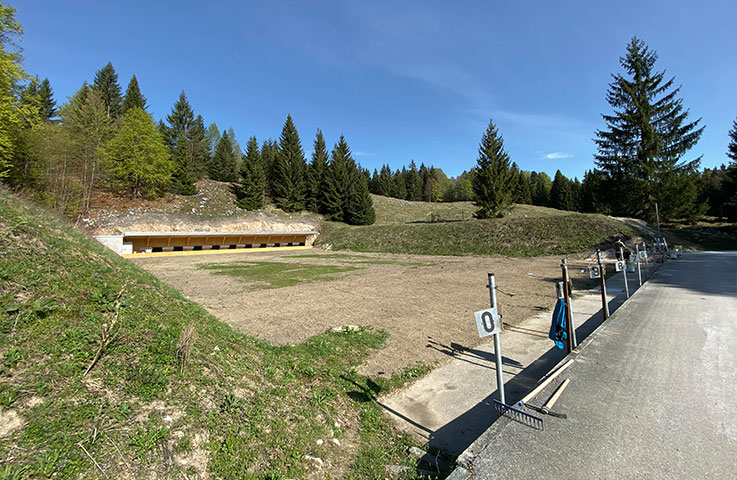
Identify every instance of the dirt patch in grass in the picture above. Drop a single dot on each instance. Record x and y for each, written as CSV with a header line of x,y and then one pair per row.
x,y
425,303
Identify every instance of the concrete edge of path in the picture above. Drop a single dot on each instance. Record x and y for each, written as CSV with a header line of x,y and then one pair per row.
x,y
464,462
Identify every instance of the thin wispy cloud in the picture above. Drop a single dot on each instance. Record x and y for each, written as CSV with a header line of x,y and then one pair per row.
x,y
361,153
558,155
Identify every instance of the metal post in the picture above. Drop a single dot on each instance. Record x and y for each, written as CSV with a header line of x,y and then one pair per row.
x,y
647,264
604,303
497,344
657,216
624,273
570,328
637,259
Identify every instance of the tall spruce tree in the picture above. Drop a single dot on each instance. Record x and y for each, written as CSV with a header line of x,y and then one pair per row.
x,y
640,152
222,166
561,193
185,135
48,104
413,181
732,147
133,97
106,83
493,182
268,156
385,181
523,190
316,173
541,185
590,200
251,189
288,182
359,209
337,182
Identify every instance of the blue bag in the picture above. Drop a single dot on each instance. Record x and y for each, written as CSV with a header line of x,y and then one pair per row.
x,y
558,326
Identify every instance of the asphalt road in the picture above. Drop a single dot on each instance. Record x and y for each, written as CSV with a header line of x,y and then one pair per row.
x,y
653,391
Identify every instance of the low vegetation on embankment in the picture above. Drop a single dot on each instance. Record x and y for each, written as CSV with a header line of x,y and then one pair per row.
x,y
171,391
526,231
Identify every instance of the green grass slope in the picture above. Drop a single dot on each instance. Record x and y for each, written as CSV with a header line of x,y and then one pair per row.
x,y
173,392
526,231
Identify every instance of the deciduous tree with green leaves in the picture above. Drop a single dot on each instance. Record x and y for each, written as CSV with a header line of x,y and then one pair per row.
x,y
137,156
641,149
493,183
12,113
86,118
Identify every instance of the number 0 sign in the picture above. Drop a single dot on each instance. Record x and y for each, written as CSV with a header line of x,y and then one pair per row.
x,y
487,321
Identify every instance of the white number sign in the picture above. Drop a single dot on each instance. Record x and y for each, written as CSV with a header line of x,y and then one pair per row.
x,y
488,322
619,266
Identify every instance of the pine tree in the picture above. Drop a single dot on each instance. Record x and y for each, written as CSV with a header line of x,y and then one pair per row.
x,y
399,185
185,136
359,209
222,165
729,183
523,191
561,193
182,180
199,152
133,97
492,183
385,181
541,185
106,83
591,192
316,173
732,147
179,120
374,183
337,182
268,156
48,104
640,152
251,189
288,182
413,181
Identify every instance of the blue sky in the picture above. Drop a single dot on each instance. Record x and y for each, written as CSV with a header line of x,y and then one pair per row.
x,y
401,80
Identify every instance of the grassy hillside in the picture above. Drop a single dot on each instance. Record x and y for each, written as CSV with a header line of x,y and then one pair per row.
x,y
171,392
393,210
526,231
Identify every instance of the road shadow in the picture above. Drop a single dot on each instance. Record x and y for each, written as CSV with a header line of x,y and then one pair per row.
x,y
709,279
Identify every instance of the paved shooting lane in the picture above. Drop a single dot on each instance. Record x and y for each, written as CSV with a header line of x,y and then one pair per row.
x,y
653,392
